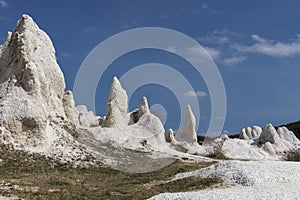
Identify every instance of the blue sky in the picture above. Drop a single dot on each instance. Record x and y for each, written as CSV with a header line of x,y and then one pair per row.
x,y
255,44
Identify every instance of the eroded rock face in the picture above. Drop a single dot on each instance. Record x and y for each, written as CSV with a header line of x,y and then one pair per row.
x,y
287,135
31,82
269,134
117,106
138,113
188,133
35,113
250,132
260,144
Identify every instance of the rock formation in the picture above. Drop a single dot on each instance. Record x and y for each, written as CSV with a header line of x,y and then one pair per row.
x,y
117,106
138,113
250,133
269,134
259,144
37,115
188,133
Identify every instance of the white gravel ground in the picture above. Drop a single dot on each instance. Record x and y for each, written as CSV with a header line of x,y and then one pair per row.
x,y
249,179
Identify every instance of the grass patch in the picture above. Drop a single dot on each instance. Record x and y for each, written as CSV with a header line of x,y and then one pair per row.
x,y
35,177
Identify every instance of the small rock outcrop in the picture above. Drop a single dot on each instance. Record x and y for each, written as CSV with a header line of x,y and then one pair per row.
x,y
287,135
250,132
178,146
260,144
138,113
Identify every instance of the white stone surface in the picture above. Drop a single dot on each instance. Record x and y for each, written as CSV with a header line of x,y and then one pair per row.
x,y
187,133
250,132
38,116
117,106
253,180
260,144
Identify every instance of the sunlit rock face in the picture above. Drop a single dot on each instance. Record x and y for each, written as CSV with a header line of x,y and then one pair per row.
x,y
36,114
117,106
31,82
187,133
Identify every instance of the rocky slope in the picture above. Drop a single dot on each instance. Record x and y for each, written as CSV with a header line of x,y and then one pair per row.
x,y
245,180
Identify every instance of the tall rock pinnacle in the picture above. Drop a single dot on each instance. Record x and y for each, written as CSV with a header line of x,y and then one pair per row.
x,y
187,133
117,105
31,82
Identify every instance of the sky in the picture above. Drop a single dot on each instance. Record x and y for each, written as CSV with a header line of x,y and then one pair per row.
x,y
255,45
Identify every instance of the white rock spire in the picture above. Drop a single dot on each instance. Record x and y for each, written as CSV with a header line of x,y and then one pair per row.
x,y
188,133
117,106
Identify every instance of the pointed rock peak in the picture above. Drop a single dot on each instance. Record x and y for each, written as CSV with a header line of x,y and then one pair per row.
x,y
115,81
189,117
269,134
188,133
269,127
24,23
26,19
116,89
144,107
117,105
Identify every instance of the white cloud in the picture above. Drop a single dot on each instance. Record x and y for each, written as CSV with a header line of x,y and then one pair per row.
x,y
271,47
195,51
214,53
3,3
219,37
232,61
259,39
195,94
